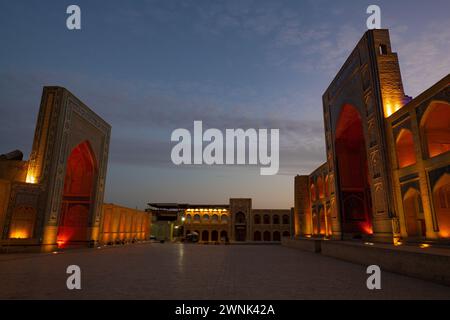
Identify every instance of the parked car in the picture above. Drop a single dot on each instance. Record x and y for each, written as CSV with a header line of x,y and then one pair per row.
x,y
192,237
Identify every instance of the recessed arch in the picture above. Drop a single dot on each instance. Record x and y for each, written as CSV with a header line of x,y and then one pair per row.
x,y
22,223
415,224
275,219
435,127
404,145
257,236
78,196
327,186
224,219
315,223
320,187
322,223
266,236
353,181
313,192
276,236
240,218
240,228
223,236
441,197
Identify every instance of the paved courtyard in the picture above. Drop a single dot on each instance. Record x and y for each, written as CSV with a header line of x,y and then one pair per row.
x,y
177,271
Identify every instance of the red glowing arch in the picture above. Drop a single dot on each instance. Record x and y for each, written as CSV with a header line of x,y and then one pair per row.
x,y
81,171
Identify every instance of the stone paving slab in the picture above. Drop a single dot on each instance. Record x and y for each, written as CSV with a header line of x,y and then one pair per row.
x,y
189,271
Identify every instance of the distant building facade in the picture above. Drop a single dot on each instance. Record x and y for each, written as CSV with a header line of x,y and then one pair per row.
x,y
233,222
387,174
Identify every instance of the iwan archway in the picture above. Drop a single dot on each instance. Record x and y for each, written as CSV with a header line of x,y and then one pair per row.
x,y
240,227
352,173
76,205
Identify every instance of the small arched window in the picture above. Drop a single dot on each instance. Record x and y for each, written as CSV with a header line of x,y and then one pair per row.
x,y
276,219
224,218
240,217
276,236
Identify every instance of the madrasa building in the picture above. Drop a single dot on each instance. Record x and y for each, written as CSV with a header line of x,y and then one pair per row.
x,y
55,199
387,172
234,222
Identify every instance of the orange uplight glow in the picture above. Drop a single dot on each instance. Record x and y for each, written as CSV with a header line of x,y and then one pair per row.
x,y
60,243
424,245
19,234
367,228
393,103
445,233
31,178
391,108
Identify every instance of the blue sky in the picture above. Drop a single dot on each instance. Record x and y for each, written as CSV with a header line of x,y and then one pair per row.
x,y
149,67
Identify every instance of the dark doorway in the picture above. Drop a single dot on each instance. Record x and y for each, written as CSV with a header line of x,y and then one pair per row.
x,y
240,227
205,235
276,236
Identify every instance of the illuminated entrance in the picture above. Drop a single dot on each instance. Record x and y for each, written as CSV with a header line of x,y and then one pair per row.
x,y
77,197
353,173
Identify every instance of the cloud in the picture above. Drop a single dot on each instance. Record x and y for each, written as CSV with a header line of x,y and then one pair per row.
x,y
142,120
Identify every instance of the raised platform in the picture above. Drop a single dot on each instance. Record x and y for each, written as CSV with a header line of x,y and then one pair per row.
x,y
427,263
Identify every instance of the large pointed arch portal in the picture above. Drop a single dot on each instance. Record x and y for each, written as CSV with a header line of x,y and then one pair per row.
x,y
77,199
354,188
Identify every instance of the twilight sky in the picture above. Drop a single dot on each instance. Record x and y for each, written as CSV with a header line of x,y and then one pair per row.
x,y
149,67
